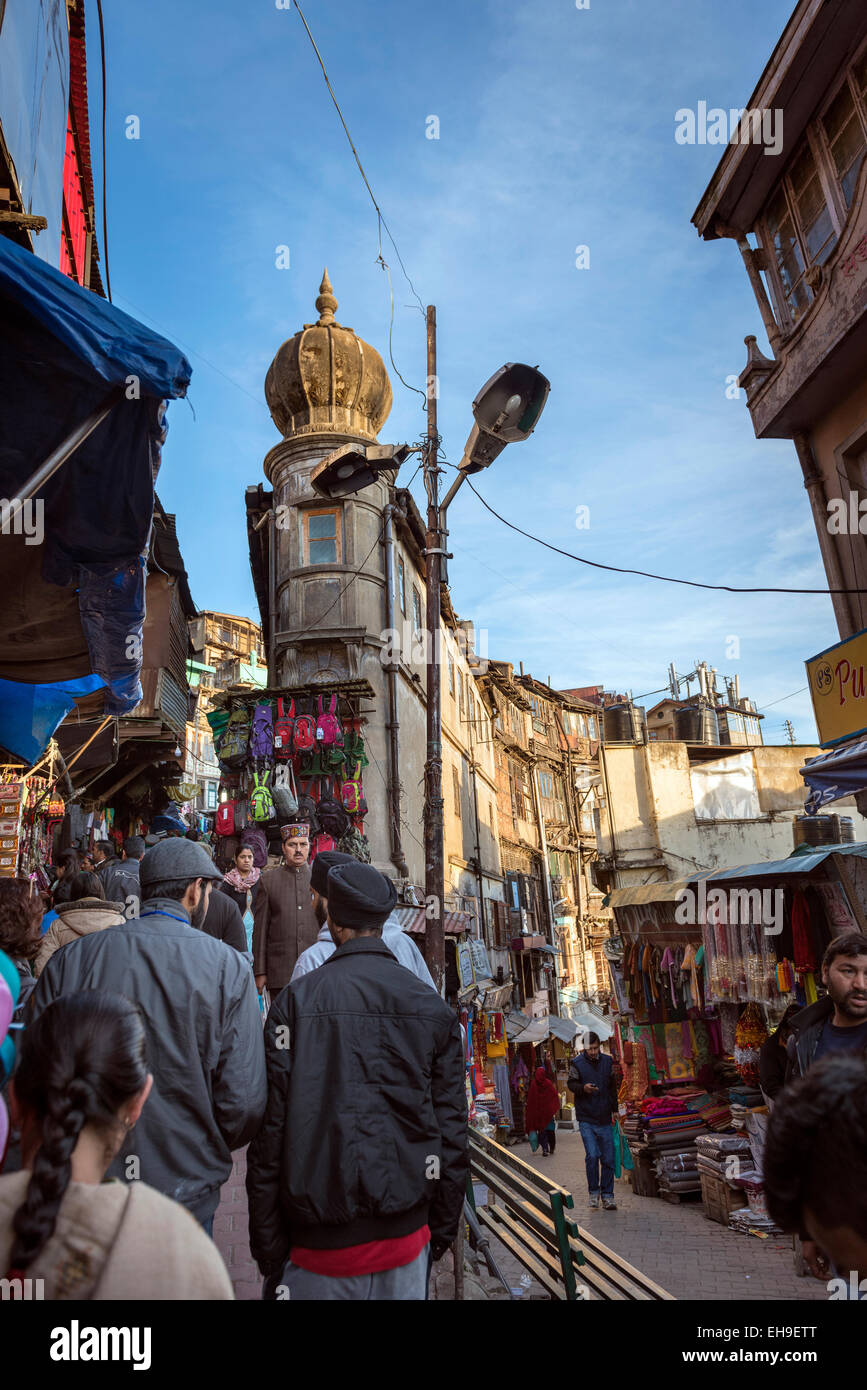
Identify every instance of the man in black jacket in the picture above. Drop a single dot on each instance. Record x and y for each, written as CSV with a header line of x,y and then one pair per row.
x,y
834,1025
361,1160
224,921
593,1083
120,877
838,1022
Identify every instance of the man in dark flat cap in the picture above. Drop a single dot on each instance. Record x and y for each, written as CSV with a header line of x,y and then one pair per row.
x,y
356,1178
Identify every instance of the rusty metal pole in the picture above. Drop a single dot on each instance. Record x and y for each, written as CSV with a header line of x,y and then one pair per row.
x,y
433,770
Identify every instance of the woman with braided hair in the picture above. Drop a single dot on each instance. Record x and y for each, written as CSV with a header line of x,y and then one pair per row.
x,y
79,1087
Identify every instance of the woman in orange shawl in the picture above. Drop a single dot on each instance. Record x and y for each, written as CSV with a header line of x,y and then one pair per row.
x,y
543,1103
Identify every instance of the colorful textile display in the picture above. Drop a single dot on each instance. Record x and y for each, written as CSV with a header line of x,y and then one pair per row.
x,y
750,1036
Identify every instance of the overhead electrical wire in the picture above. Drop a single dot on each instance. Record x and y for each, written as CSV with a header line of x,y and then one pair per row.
x,y
381,222
646,574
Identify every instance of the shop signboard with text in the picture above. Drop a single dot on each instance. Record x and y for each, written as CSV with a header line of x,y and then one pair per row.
x,y
838,678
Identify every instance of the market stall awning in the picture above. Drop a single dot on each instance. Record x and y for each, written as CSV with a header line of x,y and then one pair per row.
x,y
82,392
802,861
586,1022
412,919
562,1028
665,891
839,772
520,1028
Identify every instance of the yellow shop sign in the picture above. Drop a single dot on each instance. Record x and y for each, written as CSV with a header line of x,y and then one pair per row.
x,y
838,688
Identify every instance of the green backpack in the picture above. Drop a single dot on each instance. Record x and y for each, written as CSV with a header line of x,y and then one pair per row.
x,y
235,741
261,800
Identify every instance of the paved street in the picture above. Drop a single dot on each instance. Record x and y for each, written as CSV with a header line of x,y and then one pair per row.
x,y
676,1245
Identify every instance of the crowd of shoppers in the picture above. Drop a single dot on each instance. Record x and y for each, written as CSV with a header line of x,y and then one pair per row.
x,y
143,1059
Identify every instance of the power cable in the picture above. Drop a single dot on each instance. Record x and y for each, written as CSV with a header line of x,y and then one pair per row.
x,y
783,698
104,157
381,222
645,574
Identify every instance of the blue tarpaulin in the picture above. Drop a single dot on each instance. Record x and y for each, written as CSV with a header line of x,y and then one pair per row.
x,y
73,563
29,714
840,772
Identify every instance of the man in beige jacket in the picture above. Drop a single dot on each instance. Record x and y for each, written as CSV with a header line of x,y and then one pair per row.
x,y
284,923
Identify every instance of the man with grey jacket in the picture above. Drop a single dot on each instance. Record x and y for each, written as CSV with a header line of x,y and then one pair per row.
x,y
201,1016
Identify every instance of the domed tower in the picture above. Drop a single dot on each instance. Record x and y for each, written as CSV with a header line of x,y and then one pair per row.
x,y
325,387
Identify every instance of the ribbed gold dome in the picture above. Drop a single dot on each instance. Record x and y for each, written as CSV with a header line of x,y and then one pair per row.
x,y
325,380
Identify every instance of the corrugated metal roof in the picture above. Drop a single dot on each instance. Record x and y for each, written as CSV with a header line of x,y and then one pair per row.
x,y
797,863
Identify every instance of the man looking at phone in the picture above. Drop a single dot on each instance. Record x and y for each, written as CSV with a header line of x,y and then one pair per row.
x,y
591,1081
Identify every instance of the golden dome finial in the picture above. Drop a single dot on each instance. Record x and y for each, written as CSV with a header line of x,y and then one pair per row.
x,y
326,303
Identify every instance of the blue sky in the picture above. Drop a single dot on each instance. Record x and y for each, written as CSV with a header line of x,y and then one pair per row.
x,y
556,130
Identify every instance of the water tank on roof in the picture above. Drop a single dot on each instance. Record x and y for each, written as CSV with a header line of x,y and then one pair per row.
x,y
696,724
623,723
823,830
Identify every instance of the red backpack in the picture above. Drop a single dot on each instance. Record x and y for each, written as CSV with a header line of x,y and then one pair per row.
x,y
284,731
304,733
231,817
322,844
328,730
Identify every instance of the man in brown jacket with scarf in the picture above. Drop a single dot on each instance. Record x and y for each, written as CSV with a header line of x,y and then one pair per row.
x,y
284,923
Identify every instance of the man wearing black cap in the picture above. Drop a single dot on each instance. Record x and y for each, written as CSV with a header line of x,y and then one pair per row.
x,y
402,947
357,1175
201,1017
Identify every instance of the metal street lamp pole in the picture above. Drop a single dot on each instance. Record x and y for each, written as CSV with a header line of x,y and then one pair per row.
x,y
433,771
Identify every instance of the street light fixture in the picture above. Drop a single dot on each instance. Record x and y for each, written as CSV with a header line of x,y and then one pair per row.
x,y
355,466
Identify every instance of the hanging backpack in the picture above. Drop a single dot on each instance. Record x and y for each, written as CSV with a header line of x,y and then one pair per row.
x,y
353,744
354,843
285,795
328,730
231,817
235,741
303,733
262,731
311,764
284,730
307,810
254,838
351,794
261,800
332,817
322,844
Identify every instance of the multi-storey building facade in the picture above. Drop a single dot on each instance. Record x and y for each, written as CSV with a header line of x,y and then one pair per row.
x,y
343,600
800,222
226,652
46,174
